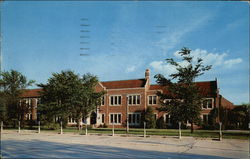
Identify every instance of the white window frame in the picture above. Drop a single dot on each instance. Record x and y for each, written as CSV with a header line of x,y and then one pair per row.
x,y
166,100
103,101
207,104
114,100
71,120
36,101
114,118
155,116
134,95
132,117
103,121
29,102
165,119
152,99
29,116
206,117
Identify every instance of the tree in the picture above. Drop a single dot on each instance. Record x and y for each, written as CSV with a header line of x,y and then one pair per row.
x,y
12,85
149,118
67,94
185,103
88,98
160,123
239,116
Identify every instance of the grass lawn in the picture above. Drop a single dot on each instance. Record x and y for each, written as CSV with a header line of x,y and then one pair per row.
x,y
229,134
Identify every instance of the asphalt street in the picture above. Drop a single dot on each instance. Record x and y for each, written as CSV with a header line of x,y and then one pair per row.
x,y
52,145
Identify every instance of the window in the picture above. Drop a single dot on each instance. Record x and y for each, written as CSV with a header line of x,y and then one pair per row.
x,y
207,119
116,100
103,101
167,119
134,99
115,118
71,119
29,116
134,118
207,104
155,116
29,102
167,101
152,100
102,118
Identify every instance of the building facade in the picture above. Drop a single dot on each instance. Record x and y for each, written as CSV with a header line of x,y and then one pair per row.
x,y
128,99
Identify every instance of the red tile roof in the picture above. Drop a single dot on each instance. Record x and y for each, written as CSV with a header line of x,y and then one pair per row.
x,y
124,84
31,93
208,88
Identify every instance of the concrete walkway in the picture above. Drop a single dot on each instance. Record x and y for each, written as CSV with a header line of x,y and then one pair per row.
x,y
51,145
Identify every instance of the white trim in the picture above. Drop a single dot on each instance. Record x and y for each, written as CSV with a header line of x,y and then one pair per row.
x,y
206,114
165,119
152,100
101,85
36,101
169,100
110,123
113,100
102,122
103,100
135,99
207,104
155,116
136,113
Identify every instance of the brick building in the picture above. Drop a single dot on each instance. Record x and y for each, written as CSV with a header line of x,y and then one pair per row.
x,y
128,99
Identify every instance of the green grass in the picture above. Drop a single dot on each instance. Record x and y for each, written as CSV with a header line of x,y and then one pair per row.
x,y
228,134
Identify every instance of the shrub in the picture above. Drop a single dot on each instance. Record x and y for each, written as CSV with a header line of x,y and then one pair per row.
x,y
52,125
149,118
160,124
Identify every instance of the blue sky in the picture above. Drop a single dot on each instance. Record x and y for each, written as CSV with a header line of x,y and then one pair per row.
x,y
125,38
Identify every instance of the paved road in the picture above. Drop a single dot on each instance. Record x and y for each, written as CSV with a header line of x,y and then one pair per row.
x,y
51,145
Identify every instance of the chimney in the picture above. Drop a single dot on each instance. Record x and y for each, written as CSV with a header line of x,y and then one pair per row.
x,y
147,75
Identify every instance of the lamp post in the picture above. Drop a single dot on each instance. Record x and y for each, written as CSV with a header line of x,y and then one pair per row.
x,y
179,129
61,132
19,125
113,129
144,134
39,129
220,133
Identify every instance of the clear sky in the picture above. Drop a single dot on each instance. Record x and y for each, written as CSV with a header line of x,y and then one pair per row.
x,y
124,38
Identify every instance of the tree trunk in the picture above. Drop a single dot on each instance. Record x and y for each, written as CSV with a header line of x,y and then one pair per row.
x,y
79,122
192,127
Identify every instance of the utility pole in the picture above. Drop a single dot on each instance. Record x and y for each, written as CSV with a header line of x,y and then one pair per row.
x,y
127,116
1,40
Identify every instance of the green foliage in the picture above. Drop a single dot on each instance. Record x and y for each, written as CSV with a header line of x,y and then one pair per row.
x,y
149,118
239,116
68,94
160,124
12,85
185,103
51,125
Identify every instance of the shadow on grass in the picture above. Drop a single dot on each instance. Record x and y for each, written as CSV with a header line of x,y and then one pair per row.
x,y
43,149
